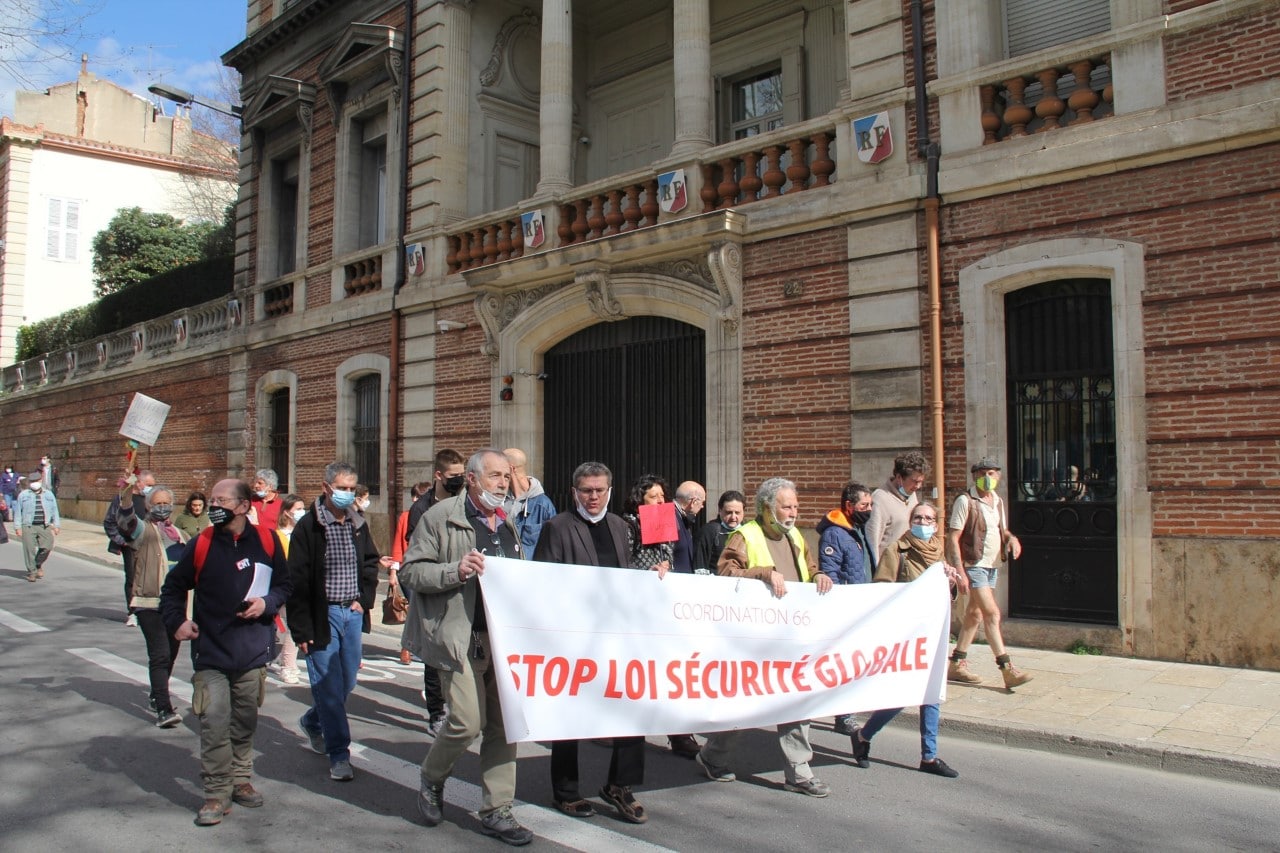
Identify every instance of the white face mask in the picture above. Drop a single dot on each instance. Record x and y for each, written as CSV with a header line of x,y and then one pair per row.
x,y
490,500
37,486
297,514
362,505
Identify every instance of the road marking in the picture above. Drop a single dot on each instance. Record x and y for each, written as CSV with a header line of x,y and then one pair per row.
x,y
552,826
17,623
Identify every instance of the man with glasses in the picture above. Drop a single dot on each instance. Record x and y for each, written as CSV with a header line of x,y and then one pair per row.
x,y
443,565
919,547
891,504
592,536
231,637
334,564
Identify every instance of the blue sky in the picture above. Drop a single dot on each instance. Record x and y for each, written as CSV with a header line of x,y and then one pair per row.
x,y
130,42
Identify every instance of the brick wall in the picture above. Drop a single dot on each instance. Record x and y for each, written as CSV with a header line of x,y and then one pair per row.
x,y
1228,55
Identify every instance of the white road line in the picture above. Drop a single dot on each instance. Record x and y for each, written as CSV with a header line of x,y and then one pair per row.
x,y
574,833
17,623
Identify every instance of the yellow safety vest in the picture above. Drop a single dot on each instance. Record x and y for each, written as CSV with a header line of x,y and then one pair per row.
x,y
758,553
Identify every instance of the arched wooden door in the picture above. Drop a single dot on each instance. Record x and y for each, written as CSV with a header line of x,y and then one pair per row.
x,y
630,394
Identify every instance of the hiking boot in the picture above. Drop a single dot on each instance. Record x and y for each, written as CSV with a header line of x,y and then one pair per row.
x,y
714,773
938,767
167,719
844,724
245,795
958,671
861,749
811,787
431,803
315,738
684,746
501,824
1013,676
212,811
621,798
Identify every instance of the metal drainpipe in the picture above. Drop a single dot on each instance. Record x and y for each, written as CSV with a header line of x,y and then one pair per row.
x,y
393,380
932,204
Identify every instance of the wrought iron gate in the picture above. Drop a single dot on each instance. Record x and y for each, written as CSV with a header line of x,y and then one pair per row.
x,y
630,394
1062,453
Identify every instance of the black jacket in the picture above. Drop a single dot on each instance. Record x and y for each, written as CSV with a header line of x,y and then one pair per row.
x,y
308,605
226,641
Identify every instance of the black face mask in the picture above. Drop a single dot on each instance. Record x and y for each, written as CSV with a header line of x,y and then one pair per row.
x,y
219,515
453,485
860,517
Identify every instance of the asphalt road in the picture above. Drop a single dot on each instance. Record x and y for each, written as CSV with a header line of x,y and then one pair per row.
x,y
85,769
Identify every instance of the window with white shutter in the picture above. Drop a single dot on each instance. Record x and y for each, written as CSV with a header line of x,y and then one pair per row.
x,y
62,242
1030,25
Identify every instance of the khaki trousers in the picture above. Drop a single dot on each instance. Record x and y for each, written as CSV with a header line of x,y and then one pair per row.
x,y
227,703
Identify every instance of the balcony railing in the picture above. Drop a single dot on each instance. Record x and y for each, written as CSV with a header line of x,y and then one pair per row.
x,y
783,162
1069,94
191,328
363,276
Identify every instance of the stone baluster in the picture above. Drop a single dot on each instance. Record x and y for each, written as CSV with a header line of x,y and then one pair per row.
x,y
1016,113
631,213
1083,100
728,188
595,218
564,230
651,208
990,120
517,238
504,240
477,247
464,251
1051,107
580,227
451,258
708,192
823,166
490,243
614,219
773,176
798,171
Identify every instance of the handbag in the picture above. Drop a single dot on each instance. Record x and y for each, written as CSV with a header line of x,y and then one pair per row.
x,y
395,608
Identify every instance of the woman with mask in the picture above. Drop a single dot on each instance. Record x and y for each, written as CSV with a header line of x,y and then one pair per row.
x,y
902,562
843,554
193,519
706,552
292,509
158,545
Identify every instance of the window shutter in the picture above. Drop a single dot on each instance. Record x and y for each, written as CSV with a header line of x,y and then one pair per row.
x,y
1031,25
53,244
71,241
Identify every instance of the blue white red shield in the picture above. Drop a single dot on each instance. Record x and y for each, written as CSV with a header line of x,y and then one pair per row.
x,y
673,193
873,137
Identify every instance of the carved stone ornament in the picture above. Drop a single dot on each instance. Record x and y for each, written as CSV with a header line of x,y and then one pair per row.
x,y
685,269
725,263
599,294
395,68
492,72
496,311
304,121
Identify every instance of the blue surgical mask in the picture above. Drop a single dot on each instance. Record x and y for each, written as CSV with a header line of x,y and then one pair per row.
x,y
923,531
146,490
343,498
903,492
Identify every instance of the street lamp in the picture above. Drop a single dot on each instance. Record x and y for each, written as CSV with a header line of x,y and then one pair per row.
x,y
186,99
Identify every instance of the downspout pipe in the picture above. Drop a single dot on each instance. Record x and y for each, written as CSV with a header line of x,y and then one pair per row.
x,y
930,151
402,220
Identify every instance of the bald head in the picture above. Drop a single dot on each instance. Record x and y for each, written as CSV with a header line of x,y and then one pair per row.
x,y
519,470
690,497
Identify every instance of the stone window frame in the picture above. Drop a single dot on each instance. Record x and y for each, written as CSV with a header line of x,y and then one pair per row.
x,y
269,383
781,44
353,368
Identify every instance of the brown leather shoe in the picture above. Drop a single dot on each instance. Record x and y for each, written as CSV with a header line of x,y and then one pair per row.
x,y
245,795
212,811
1014,677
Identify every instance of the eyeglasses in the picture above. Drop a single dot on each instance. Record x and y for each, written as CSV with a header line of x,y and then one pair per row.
x,y
919,520
225,503
590,491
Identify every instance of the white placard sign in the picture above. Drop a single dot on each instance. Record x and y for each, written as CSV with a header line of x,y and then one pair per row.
x,y
144,420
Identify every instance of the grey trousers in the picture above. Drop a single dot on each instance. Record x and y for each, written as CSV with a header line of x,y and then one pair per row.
x,y
34,537
472,695
227,703
792,737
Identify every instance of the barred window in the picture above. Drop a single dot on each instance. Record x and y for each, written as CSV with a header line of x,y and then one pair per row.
x,y
278,437
366,429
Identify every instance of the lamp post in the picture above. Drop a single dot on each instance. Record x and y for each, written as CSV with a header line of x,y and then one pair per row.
x,y
186,99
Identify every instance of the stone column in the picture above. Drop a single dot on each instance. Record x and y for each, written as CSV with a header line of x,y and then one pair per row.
x,y
555,123
692,67
450,26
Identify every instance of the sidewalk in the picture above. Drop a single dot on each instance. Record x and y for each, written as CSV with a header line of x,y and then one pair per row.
x,y
1213,721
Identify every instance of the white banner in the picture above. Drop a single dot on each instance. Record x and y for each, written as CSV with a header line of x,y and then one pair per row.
x,y
586,652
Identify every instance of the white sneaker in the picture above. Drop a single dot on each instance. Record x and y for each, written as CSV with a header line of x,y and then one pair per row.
x,y
132,621
290,676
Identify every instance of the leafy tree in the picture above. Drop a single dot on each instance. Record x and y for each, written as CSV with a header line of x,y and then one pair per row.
x,y
136,246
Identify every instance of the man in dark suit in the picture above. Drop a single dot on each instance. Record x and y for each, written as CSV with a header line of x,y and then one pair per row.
x,y
592,536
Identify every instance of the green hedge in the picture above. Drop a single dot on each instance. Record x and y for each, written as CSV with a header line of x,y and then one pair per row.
x,y
184,287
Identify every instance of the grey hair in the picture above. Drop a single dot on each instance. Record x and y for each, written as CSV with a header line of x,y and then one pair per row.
x,y
475,465
591,469
334,470
155,490
767,494
270,477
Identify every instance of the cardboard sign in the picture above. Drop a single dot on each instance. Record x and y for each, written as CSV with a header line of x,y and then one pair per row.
x,y
658,523
144,420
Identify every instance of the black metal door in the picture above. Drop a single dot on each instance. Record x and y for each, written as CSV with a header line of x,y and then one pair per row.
x,y
630,394
1062,454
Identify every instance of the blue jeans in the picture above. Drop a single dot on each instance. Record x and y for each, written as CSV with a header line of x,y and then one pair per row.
x,y
332,671
929,715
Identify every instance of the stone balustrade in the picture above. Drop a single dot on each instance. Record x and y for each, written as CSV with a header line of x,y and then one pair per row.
x,y
363,276
782,162
1072,93
277,300
199,327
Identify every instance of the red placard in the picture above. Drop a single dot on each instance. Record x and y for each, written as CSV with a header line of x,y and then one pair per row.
x,y
657,523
